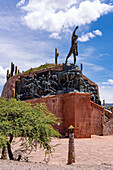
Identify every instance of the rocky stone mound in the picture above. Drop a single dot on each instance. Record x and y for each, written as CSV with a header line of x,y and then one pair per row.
x,y
51,82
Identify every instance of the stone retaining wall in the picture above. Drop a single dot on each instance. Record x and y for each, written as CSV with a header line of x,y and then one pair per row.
x,y
96,119
73,109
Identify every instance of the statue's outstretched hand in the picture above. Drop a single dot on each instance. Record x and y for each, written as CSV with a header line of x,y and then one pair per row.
x,y
76,27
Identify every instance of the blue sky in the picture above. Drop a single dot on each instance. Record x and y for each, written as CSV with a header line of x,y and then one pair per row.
x,y
30,30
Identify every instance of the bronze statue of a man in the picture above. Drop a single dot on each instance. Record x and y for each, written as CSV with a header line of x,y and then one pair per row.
x,y
73,48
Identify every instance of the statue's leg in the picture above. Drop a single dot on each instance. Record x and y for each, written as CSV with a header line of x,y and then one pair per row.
x,y
76,50
74,55
69,54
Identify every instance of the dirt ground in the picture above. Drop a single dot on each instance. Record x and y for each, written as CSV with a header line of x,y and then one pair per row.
x,y
14,165
90,153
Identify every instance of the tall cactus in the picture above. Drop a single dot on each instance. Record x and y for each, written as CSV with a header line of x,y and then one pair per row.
x,y
15,70
56,55
8,75
12,69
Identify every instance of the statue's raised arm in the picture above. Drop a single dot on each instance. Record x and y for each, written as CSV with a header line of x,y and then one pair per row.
x,y
75,29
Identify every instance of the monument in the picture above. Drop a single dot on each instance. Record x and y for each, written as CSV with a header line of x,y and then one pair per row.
x,y
48,83
68,93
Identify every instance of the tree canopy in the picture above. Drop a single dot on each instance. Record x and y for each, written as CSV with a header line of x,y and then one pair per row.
x,y
34,124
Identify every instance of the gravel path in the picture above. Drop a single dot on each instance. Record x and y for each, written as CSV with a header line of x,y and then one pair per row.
x,y
96,150
90,153
14,165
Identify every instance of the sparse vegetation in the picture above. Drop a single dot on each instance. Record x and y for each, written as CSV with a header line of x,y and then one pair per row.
x,y
34,124
40,67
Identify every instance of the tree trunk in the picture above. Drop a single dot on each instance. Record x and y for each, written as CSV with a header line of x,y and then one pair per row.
x,y
9,148
4,153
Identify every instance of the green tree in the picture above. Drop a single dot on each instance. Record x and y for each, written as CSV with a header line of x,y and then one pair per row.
x,y
34,124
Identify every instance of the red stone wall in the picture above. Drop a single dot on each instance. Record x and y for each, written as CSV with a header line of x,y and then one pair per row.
x,y
72,109
68,110
96,119
101,120
54,104
82,115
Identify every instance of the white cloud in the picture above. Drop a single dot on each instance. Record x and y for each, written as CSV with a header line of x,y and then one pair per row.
x,y
25,54
2,75
106,93
100,55
55,36
87,36
110,81
54,16
97,32
20,3
104,87
83,38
